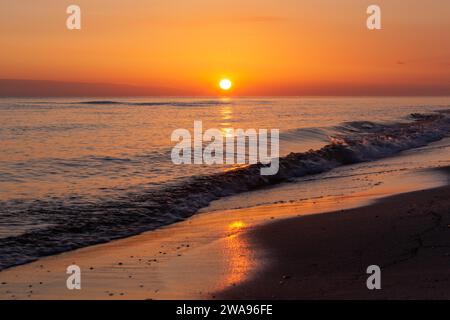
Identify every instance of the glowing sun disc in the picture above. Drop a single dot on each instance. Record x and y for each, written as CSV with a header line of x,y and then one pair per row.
x,y
225,84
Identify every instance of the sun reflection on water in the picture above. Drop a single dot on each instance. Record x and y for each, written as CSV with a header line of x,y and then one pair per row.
x,y
226,115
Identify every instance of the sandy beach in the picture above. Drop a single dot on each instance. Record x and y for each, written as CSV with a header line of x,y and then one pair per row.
x,y
278,251
326,256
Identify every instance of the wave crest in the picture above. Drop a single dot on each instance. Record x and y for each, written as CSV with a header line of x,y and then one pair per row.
x,y
78,225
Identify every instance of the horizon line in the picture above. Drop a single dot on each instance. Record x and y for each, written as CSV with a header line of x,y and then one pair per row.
x,y
20,88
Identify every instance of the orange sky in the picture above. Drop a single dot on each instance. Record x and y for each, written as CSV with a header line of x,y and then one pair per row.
x,y
276,47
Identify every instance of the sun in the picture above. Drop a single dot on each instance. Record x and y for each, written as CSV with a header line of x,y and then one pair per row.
x,y
225,84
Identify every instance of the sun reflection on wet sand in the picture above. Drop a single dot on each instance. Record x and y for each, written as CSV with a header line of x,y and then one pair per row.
x,y
239,255
236,226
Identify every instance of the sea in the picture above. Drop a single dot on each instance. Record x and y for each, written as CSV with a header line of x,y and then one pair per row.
x,y
75,172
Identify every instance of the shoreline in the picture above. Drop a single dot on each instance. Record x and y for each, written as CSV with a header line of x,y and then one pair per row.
x,y
192,259
199,258
54,222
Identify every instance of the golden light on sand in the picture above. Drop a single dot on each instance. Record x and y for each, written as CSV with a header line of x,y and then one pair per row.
x,y
225,84
239,258
237,225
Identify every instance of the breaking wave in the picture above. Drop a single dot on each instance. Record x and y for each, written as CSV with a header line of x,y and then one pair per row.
x,y
70,226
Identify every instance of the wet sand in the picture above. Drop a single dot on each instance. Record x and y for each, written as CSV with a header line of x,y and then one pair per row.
x,y
326,256
255,252
189,260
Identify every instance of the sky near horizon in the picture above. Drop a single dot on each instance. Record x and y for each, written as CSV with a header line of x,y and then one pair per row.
x,y
282,47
